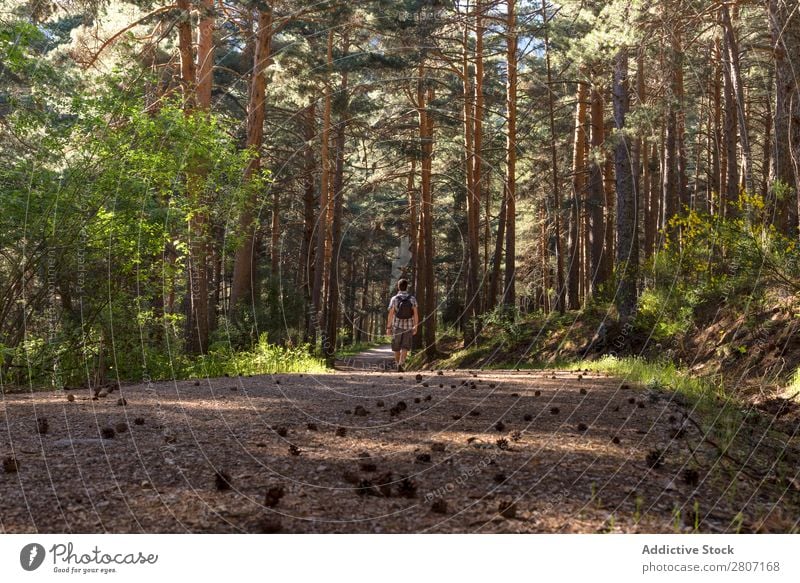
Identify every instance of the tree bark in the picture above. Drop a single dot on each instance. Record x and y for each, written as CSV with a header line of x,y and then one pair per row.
x,y
242,284
332,309
324,200
560,299
578,189
426,294
510,193
627,264
731,50
596,198
784,25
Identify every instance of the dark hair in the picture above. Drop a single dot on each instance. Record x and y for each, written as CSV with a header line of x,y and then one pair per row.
x,y
402,285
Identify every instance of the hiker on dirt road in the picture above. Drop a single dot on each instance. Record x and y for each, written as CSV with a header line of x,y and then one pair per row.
x,y
402,322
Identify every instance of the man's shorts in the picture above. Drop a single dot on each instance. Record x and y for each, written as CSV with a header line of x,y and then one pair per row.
x,y
401,340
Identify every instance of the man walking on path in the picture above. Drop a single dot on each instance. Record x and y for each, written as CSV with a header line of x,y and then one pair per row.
x,y
402,322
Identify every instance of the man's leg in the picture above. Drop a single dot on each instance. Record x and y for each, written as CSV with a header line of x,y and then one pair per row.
x,y
396,347
403,355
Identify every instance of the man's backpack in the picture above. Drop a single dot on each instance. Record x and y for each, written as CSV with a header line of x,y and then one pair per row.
x,y
405,308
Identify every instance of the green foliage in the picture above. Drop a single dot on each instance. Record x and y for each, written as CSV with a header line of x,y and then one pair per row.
x,y
264,358
709,261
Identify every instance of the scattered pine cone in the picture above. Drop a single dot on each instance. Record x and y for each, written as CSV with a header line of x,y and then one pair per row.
x,y
439,506
424,458
439,372
122,402
379,404
583,391
71,398
500,426
197,383
359,411
516,435
615,440
582,427
500,477
527,417
269,526
367,488
475,413
121,427
222,480
428,397
10,465
616,408
384,484
537,393
138,421
515,395
640,404
417,400
678,433
555,410
418,378
407,488
691,477
312,427
502,443
654,458
438,446
273,495
350,477
281,430
625,387
107,432
42,426
341,431
401,406
294,450
507,509
631,400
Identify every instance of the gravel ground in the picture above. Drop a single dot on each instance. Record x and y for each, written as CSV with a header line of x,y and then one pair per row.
x,y
360,451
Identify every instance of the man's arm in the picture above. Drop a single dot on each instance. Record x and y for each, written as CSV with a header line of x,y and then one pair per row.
x,y
389,321
416,321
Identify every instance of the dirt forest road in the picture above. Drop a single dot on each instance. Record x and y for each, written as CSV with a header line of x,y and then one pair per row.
x,y
364,451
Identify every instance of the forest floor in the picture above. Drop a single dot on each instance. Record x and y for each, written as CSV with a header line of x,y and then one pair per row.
x,y
372,450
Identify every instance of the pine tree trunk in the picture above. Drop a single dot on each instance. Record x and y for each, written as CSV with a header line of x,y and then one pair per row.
x,y
244,258
731,49
560,297
317,323
578,193
784,25
309,199
332,309
729,136
510,193
626,207
426,294
596,198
